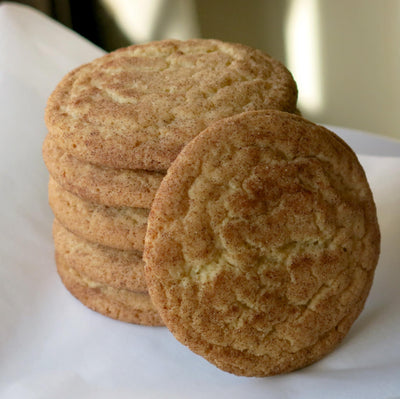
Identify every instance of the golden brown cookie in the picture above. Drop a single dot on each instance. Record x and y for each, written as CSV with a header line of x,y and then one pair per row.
x,y
136,107
119,304
102,185
114,267
262,243
121,228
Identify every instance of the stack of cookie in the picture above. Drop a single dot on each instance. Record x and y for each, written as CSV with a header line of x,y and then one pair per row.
x,y
257,227
99,244
115,126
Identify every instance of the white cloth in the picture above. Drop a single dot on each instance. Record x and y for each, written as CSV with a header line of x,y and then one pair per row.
x,y
51,346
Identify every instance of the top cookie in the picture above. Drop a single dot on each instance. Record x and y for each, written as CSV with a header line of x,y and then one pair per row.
x,y
261,243
137,107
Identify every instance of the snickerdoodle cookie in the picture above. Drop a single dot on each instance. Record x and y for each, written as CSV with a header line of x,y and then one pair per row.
x,y
116,227
99,184
114,267
136,107
120,304
262,243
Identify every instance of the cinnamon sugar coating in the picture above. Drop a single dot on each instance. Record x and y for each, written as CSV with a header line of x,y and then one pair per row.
x,y
262,243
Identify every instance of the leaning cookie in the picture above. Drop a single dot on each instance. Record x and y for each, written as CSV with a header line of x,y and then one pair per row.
x,y
120,228
120,304
262,243
99,184
135,108
114,267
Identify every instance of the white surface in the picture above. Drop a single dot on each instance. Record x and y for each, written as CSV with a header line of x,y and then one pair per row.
x,y
51,346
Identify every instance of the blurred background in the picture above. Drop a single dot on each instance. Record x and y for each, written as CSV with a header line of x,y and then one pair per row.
x,y
344,54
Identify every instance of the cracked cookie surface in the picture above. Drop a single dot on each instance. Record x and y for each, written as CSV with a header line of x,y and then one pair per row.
x,y
262,243
136,108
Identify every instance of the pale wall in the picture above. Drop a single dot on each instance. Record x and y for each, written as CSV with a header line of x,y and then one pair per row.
x,y
357,50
